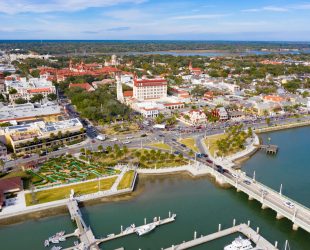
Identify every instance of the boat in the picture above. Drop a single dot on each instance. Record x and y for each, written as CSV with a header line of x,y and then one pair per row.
x,y
55,240
61,233
46,243
56,248
239,244
62,239
145,229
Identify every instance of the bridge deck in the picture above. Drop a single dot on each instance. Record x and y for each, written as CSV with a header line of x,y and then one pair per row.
x,y
261,243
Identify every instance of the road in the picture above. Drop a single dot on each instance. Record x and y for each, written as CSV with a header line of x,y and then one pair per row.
x,y
153,135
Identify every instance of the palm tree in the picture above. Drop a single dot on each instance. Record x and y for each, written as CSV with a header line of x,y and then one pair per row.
x,y
125,150
138,154
59,134
2,164
109,149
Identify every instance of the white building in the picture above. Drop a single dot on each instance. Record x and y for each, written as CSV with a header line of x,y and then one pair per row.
x,y
144,89
26,89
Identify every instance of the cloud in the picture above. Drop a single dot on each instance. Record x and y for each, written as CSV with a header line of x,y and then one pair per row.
x,y
206,16
90,32
44,6
267,8
118,29
275,9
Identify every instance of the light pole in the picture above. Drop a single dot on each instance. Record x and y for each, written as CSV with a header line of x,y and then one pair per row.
x,y
280,190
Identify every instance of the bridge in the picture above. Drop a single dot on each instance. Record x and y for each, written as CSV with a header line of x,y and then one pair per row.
x,y
269,198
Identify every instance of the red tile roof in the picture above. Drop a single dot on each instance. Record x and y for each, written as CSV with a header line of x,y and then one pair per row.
x,y
150,82
39,90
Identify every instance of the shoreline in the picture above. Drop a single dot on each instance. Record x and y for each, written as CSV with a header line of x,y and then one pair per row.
x,y
137,189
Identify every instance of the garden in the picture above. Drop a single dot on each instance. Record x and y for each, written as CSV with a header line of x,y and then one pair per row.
x,y
65,170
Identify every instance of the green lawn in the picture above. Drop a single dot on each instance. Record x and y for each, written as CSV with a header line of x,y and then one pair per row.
x,y
160,146
211,142
126,180
190,143
63,192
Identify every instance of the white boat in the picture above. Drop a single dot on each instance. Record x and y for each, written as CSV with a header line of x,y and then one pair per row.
x,y
46,243
55,241
239,244
145,229
62,239
56,248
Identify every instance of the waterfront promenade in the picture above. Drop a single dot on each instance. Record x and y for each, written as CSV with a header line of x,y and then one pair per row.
x,y
23,209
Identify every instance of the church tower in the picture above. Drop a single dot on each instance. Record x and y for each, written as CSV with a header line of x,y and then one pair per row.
x,y
119,88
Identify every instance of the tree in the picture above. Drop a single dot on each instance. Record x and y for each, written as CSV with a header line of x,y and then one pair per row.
x,y
35,140
36,98
109,149
268,121
51,97
160,118
100,148
138,154
35,73
59,134
12,91
116,147
20,100
125,149
82,150
2,164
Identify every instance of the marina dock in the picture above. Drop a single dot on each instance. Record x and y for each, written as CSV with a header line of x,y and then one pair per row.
x,y
88,241
245,229
131,230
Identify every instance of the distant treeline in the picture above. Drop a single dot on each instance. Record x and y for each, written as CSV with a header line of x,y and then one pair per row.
x,y
60,47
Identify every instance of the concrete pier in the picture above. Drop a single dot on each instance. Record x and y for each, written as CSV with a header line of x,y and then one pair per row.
x,y
254,236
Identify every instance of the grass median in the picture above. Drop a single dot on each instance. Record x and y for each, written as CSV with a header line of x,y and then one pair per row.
x,y
190,143
63,192
163,146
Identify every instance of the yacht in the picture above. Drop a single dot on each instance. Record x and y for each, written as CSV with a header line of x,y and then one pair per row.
x,y
145,229
239,244
46,243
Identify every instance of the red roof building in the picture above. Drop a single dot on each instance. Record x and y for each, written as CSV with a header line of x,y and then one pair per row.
x,y
9,185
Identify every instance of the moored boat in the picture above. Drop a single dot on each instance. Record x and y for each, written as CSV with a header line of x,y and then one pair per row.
x,y
239,244
145,229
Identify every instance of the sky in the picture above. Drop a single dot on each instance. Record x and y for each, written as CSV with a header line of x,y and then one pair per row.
x,y
254,20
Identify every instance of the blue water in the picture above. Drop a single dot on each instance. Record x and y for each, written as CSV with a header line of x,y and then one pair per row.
x,y
290,167
199,204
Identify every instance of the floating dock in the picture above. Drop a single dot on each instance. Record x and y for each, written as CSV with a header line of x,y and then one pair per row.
x,y
245,229
130,230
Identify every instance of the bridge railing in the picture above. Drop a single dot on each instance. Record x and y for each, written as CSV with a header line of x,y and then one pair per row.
x,y
268,203
306,209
